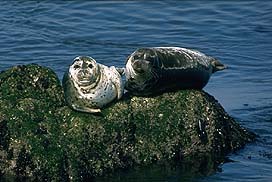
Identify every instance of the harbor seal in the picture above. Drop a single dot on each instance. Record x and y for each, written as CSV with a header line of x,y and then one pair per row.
x,y
156,70
89,86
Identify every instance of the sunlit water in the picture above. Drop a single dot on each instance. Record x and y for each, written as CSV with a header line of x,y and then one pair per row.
x,y
238,33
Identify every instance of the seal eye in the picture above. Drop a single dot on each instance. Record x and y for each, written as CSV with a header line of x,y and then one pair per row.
x,y
136,57
90,66
76,59
76,66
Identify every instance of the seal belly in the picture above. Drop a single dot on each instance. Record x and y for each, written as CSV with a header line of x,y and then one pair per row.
x,y
190,78
105,94
183,68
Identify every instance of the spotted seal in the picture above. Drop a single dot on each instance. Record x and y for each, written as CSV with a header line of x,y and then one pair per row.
x,y
89,86
158,69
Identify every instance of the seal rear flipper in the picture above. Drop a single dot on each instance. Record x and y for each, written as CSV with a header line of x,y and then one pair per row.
x,y
217,65
121,71
117,81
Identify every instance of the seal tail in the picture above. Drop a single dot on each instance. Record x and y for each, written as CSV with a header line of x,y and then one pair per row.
x,y
217,65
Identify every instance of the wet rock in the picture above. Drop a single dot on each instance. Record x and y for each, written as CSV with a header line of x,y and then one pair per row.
x,y
42,139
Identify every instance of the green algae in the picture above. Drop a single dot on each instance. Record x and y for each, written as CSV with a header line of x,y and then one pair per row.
x,y
42,139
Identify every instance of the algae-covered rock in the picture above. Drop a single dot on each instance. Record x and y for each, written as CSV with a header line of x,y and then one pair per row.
x,y
42,139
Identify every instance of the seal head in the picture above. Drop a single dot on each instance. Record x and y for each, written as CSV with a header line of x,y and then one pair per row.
x,y
141,70
84,71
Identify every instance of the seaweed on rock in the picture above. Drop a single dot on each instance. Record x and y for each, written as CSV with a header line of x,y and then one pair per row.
x,y
42,139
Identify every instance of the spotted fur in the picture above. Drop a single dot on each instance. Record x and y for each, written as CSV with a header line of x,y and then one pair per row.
x,y
89,86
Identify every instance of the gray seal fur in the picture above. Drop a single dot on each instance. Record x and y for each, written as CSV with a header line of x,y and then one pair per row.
x,y
89,86
159,69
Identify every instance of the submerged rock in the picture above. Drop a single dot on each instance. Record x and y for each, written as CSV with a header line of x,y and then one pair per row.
x,y
42,139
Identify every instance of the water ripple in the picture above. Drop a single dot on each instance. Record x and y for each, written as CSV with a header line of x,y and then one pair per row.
x,y
52,33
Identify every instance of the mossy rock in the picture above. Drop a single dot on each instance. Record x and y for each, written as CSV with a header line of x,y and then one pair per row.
x,y
43,139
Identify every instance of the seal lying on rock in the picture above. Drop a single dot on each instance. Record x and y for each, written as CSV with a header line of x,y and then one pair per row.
x,y
155,70
88,86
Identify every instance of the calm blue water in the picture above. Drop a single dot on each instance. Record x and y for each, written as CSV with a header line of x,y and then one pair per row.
x,y
238,33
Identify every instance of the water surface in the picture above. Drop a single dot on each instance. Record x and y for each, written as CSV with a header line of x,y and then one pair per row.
x,y
238,33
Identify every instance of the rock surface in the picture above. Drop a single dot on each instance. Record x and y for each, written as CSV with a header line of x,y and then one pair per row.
x,y
42,139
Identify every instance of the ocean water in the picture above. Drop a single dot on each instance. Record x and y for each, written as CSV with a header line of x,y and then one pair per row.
x,y
239,33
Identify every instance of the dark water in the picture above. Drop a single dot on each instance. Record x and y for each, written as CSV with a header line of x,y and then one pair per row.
x,y
238,33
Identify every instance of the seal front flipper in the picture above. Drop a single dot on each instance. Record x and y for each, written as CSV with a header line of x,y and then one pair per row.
x,y
85,109
117,81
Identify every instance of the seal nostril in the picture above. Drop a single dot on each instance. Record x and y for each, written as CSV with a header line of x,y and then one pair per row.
x,y
85,72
